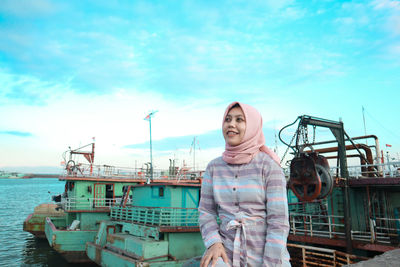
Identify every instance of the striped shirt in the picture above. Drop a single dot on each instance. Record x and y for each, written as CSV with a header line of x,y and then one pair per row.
x,y
250,201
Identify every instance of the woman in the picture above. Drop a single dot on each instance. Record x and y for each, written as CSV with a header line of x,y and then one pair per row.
x,y
246,189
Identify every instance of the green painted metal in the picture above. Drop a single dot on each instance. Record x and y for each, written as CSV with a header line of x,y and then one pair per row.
x,y
143,248
105,228
91,221
166,196
88,202
140,230
185,245
190,197
63,240
109,258
157,216
150,196
154,231
35,223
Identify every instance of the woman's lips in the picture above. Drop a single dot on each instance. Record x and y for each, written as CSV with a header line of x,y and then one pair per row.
x,y
230,133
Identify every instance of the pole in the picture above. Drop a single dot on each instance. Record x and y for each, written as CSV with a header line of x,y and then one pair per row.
x,y
151,152
365,129
194,153
148,117
346,202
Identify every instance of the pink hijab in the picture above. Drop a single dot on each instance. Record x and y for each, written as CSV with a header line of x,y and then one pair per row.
x,y
253,139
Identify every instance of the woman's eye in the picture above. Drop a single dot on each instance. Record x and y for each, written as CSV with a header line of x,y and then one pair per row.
x,y
227,119
239,119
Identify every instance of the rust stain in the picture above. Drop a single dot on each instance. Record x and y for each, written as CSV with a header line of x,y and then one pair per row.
x,y
98,255
183,229
56,247
112,238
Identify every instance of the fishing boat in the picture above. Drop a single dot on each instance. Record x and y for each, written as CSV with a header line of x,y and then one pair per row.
x,y
355,209
35,222
159,227
12,175
338,213
90,193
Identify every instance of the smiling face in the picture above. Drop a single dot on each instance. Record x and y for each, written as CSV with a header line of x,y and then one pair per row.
x,y
234,126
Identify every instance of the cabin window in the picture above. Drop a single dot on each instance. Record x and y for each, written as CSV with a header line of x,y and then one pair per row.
x,y
161,191
109,193
158,191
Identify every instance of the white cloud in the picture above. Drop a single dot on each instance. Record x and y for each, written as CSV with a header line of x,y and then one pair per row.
x,y
293,13
115,119
394,49
278,4
28,8
345,20
391,16
386,4
393,24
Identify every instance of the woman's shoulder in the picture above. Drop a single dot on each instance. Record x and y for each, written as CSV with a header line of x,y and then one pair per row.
x,y
266,160
216,162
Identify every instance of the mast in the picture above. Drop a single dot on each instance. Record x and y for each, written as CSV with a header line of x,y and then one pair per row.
x,y
194,153
365,129
148,118
193,146
276,142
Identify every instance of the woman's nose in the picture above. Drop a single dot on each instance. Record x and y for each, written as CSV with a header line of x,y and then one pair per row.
x,y
231,123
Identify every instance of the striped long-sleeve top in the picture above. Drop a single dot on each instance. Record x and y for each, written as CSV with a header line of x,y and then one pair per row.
x,y
251,203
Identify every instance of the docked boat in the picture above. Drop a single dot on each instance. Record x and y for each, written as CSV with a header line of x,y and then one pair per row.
x,y
12,175
339,214
90,193
158,228
35,221
350,208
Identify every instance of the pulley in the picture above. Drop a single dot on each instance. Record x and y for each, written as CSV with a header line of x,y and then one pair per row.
x,y
322,167
304,180
309,176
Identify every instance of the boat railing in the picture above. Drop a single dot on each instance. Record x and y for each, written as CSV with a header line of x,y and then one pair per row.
x,y
301,255
385,230
156,216
88,204
107,171
386,170
382,230
315,225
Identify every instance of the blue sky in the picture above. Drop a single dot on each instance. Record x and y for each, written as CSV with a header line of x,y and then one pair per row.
x,y
71,70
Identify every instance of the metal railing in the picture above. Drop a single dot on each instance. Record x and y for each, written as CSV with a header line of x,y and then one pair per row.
x,y
388,170
382,230
88,204
301,255
328,226
107,171
174,217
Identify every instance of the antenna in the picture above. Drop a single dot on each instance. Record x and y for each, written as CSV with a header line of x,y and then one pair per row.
x,y
365,129
194,152
148,118
276,140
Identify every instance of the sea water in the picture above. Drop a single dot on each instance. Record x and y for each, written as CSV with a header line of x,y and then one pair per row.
x,y
18,198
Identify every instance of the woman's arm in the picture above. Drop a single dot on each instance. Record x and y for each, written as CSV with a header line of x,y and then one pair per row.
x,y
208,223
207,212
275,252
